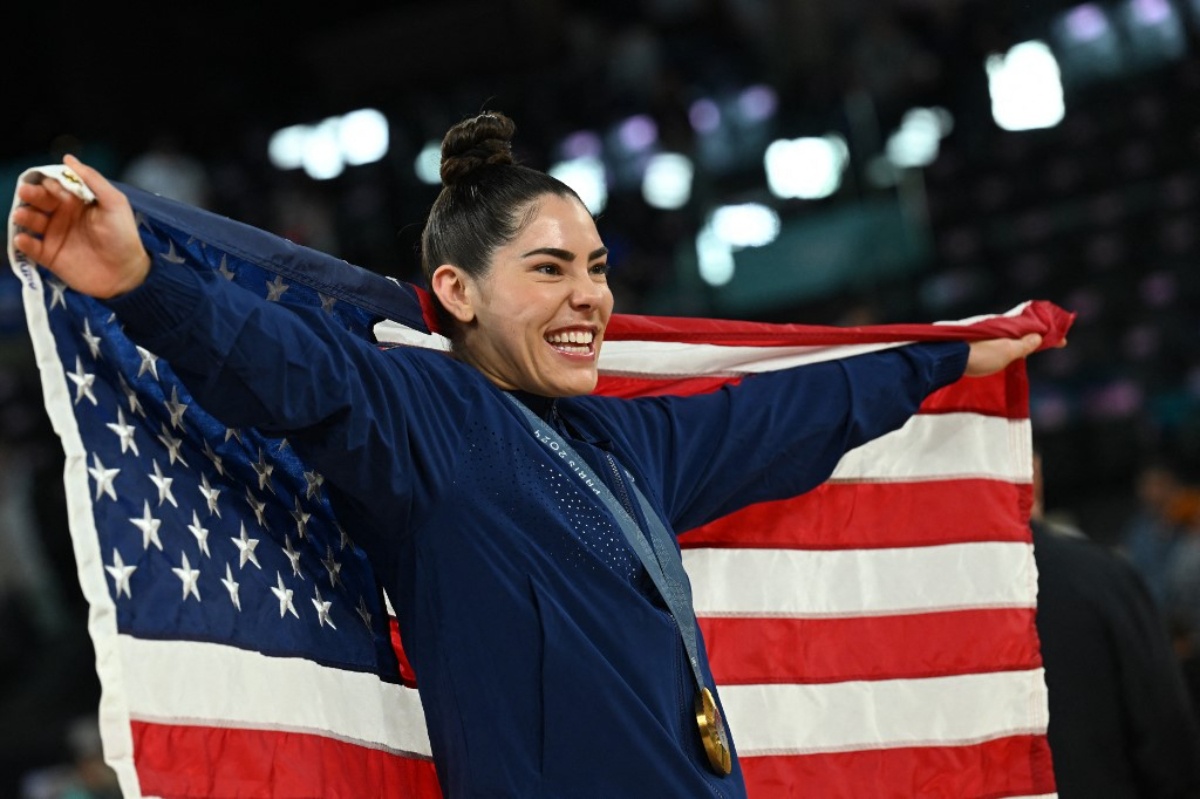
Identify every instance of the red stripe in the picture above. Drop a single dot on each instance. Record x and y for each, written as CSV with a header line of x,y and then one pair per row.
x,y
1016,766
183,762
749,651
876,516
1038,316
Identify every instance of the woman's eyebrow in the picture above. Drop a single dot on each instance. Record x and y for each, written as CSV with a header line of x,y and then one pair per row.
x,y
565,255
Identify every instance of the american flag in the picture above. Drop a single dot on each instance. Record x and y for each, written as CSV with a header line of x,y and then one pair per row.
x,y
872,638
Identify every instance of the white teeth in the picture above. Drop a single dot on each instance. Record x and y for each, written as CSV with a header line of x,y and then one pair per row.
x,y
571,337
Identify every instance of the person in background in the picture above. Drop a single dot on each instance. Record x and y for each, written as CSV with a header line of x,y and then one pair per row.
x,y
1121,719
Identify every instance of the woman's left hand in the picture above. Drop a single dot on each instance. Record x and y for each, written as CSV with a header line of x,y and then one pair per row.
x,y
991,355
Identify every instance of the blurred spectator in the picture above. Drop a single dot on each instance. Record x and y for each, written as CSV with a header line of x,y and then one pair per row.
x,y
1154,532
1121,720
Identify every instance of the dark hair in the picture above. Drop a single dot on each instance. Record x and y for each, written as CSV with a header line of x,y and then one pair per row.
x,y
486,199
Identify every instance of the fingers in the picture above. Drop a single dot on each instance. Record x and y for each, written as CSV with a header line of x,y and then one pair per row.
x,y
29,245
33,220
105,192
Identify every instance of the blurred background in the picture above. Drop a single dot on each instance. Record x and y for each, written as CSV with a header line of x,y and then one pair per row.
x,y
834,162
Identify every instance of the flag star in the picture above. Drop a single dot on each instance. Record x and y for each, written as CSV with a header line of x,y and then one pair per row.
x,y
175,408
149,363
246,547
283,444
93,341
313,482
104,478
149,527
301,518
124,432
164,485
224,269
333,567
233,432
58,294
201,534
173,446
275,289
141,220
327,303
210,495
345,539
293,556
120,574
285,597
258,507
231,585
264,470
215,458
363,612
83,382
190,578
135,402
170,255
322,609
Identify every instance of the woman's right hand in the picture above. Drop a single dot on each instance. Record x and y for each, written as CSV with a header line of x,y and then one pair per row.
x,y
92,247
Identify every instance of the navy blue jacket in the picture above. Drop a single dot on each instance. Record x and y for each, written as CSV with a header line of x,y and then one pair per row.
x,y
546,662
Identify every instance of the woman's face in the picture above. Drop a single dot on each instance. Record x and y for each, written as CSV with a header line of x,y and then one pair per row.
x,y
541,309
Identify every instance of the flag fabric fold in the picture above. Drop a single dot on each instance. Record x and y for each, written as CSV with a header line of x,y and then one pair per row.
x,y
872,638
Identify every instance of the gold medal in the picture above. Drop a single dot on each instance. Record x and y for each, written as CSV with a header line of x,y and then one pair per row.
x,y
713,733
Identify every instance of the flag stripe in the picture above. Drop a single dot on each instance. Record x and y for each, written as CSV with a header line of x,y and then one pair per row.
x,y
195,762
944,446
840,717
835,583
766,719
745,651
1015,766
246,689
876,515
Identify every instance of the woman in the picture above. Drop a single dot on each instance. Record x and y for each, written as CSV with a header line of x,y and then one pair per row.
x,y
522,527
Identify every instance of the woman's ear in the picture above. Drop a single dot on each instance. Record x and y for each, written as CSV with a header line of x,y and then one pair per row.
x,y
453,288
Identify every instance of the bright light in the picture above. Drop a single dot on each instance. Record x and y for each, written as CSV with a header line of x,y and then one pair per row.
x,y
667,183
715,258
322,155
325,149
758,103
1026,87
428,165
745,225
806,168
586,176
286,148
915,143
363,136
637,133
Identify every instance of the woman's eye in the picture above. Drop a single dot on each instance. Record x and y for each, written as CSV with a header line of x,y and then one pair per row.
x,y
549,269
600,269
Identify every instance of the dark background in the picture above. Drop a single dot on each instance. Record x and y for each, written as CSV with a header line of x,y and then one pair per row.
x,y
1096,214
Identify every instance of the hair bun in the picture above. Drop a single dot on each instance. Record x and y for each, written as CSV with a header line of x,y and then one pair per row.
x,y
476,142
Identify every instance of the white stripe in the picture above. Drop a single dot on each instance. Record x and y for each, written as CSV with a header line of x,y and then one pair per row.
x,y
89,560
941,446
828,584
842,717
233,688
199,683
674,359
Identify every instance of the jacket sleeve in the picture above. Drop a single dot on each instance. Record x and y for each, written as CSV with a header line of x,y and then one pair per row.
x,y
353,412
780,434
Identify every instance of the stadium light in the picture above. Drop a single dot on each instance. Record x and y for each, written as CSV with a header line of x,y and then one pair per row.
x,y
1026,87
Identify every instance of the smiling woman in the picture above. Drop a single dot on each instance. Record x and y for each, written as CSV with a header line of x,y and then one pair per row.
x,y
523,526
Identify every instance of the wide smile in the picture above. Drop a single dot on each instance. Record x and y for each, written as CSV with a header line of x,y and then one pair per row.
x,y
575,342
